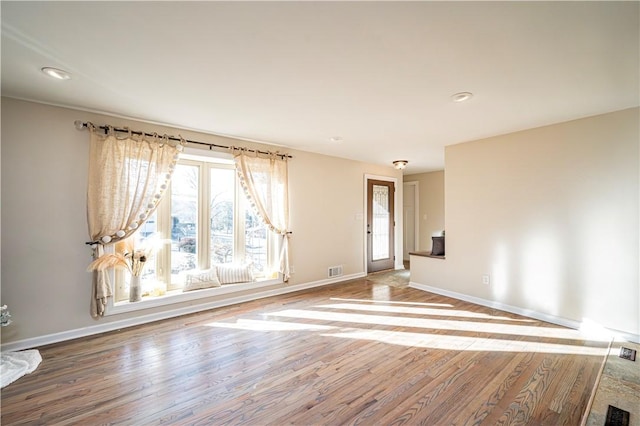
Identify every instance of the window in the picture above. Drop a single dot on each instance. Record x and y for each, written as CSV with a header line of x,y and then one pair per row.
x,y
203,220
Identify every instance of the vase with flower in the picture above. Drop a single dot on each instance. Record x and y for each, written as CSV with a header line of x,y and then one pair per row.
x,y
136,259
128,257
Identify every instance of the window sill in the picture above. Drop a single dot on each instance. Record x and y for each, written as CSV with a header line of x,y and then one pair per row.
x,y
177,296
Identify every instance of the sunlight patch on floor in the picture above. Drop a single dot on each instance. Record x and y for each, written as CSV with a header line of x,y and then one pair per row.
x,y
390,302
420,311
363,318
461,343
434,324
420,340
259,325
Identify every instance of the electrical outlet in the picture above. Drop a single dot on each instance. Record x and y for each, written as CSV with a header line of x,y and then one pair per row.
x,y
486,279
292,270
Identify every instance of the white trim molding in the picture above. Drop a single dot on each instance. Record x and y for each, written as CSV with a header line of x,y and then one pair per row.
x,y
416,216
144,319
179,296
610,334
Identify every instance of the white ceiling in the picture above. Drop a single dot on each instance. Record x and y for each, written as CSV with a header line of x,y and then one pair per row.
x,y
380,75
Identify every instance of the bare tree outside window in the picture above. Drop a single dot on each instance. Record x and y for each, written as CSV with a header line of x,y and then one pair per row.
x,y
221,222
184,220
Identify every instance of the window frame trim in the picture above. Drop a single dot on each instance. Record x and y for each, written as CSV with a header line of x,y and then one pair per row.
x,y
163,261
114,308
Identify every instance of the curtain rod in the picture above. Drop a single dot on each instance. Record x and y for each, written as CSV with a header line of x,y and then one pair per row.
x,y
82,125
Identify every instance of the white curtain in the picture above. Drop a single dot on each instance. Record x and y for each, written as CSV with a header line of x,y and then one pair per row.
x,y
127,178
266,183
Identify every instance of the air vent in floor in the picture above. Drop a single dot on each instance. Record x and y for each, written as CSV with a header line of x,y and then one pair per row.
x,y
627,353
616,417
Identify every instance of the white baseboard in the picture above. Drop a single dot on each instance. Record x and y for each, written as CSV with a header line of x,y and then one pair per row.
x,y
171,313
498,305
520,311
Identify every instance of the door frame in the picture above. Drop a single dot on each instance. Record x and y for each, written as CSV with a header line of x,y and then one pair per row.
x,y
416,208
398,244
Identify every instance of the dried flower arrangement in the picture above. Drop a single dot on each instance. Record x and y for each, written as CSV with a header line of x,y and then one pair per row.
x,y
126,257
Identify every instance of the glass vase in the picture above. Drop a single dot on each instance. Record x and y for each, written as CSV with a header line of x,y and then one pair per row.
x,y
135,289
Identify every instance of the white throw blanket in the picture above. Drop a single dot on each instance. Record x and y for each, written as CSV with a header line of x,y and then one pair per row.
x,y
14,365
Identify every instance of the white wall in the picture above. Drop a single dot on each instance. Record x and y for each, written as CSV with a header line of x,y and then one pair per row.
x,y
431,197
44,175
552,215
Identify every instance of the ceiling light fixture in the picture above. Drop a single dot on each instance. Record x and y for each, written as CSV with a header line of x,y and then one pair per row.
x,y
335,139
400,164
462,96
56,73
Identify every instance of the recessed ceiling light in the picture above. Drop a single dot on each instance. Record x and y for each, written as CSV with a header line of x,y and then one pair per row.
x,y
56,73
335,139
462,96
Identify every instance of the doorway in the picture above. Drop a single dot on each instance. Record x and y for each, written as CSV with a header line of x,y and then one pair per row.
x,y
410,222
380,225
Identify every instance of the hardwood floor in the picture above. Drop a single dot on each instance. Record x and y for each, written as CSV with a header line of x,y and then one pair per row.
x,y
354,353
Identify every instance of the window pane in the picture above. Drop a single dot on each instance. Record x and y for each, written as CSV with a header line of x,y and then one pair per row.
x,y
142,239
148,230
255,241
222,215
184,221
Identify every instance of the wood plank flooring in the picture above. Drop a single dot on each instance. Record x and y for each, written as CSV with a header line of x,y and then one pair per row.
x,y
355,353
